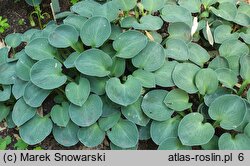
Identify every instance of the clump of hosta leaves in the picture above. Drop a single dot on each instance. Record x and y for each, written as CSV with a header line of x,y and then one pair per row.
x,y
173,72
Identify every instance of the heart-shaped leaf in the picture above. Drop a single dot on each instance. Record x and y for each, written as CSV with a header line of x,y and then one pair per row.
x,y
124,134
163,76
109,121
126,5
87,114
238,142
97,84
206,81
153,5
237,48
94,62
179,30
40,49
109,10
66,136
230,115
173,144
129,44
13,39
123,94
150,60
177,49
135,114
192,131
60,114
22,112
85,8
154,107
192,5
148,22
78,93
184,76
63,36
227,77
91,136
75,21
160,131
197,54
218,62
226,10
5,93
47,74
245,68
95,31
147,79
174,13
36,130
34,96
223,33
177,100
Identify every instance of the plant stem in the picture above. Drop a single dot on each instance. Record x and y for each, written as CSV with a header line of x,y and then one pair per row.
x,y
216,124
78,47
243,87
70,79
181,113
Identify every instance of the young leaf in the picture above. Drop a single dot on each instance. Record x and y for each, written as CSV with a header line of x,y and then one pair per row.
x,y
60,114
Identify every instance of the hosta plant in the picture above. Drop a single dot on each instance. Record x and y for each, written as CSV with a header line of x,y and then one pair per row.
x,y
174,72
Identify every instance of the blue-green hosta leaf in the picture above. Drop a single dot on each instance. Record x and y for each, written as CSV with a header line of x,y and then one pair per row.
x,y
173,144
206,81
150,60
126,5
245,68
192,5
128,22
234,63
36,130
230,115
223,33
212,144
124,134
148,22
123,93
109,107
156,36
4,111
91,136
70,61
154,107
40,49
246,36
78,93
144,132
135,114
85,8
66,136
209,98
60,114
4,55
7,73
243,15
177,100
18,88
9,120
108,10
63,36
94,62
146,78
47,74
114,147
5,93
197,54
192,131
180,30
226,10
109,121
238,142
33,2
97,84
227,77
95,31
23,67
184,77
153,5
248,95
89,113
75,21
163,76
13,40
218,62
208,3
233,48
34,96
177,49
22,112
160,131
115,31
118,67
129,44
174,13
